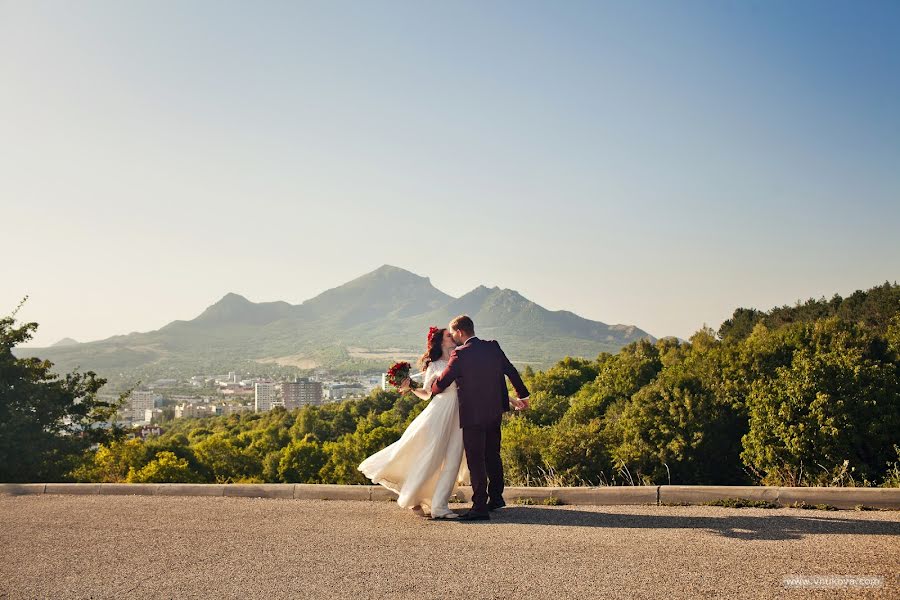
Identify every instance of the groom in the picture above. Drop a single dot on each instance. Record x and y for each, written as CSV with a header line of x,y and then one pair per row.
x,y
478,367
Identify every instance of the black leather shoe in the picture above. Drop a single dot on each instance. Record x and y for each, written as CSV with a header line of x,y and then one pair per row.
x,y
492,505
470,516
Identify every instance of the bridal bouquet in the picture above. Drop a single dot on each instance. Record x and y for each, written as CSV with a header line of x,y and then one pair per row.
x,y
398,372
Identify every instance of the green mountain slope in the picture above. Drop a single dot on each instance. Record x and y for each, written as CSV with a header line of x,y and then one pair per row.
x,y
363,323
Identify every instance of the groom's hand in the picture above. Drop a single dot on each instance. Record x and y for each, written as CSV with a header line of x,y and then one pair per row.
x,y
519,404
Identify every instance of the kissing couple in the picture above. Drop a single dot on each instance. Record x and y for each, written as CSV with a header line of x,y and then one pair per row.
x,y
465,379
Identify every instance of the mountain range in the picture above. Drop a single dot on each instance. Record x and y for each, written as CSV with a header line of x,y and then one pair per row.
x,y
363,324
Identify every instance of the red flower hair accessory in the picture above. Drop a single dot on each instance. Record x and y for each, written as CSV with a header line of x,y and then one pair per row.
x,y
431,331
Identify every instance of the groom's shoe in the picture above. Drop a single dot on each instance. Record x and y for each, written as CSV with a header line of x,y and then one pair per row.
x,y
495,504
474,516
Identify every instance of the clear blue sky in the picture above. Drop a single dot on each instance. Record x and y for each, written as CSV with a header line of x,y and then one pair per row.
x,y
635,162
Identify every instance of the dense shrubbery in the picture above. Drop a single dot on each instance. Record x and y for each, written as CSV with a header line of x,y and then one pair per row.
x,y
805,395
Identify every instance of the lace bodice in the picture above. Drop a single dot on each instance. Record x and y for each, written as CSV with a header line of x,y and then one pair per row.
x,y
431,373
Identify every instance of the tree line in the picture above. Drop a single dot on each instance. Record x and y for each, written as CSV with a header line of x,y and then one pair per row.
x,y
798,395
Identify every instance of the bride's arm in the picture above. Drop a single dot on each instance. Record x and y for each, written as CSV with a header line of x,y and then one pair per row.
x,y
424,392
420,392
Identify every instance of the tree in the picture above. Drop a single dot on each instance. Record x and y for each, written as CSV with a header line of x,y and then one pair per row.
x,y
676,428
564,378
222,458
111,463
577,453
546,409
520,447
46,421
345,454
741,323
164,468
833,410
619,377
301,462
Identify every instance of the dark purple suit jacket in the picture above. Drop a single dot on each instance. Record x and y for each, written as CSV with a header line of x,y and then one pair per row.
x,y
479,368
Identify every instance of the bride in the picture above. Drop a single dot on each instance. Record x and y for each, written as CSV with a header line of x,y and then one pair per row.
x,y
425,464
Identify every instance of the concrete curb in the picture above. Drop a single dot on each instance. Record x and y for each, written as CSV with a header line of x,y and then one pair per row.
x,y
883,498
847,497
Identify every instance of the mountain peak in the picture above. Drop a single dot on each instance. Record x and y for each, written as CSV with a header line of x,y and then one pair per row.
x,y
234,299
393,273
66,342
386,291
386,268
234,308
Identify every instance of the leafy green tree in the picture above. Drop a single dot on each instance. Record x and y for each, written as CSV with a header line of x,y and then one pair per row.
x,y
837,400
258,443
112,462
270,465
223,458
46,421
740,325
520,448
546,409
301,462
893,336
618,377
676,429
565,378
577,454
345,454
164,468
310,422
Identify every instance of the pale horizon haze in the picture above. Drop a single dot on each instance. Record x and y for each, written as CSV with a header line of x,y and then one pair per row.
x,y
648,163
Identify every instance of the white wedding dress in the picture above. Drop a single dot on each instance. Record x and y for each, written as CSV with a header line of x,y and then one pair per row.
x,y
426,463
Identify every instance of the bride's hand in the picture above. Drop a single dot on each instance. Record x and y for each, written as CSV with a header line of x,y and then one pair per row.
x,y
404,387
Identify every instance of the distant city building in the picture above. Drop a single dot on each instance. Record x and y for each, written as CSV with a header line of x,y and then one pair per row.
x,y
190,410
301,392
238,390
149,430
340,391
193,399
266,396
371,382
231,408
138,403
187,411
226,379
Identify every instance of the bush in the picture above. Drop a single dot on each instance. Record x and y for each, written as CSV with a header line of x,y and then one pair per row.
x,y
833,411
164,468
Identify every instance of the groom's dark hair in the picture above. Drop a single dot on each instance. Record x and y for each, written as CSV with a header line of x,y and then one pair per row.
x,y
463,323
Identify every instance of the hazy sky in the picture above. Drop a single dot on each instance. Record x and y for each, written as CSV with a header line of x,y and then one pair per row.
x,y
635,162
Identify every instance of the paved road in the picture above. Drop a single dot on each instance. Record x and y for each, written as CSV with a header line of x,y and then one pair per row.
x,y
193,547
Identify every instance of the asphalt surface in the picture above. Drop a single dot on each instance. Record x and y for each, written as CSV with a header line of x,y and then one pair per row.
x,y
59,546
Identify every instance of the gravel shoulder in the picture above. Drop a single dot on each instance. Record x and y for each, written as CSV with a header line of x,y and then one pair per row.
x,y
194,547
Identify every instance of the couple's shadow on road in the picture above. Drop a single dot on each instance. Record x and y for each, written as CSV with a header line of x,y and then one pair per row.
x,y
746,527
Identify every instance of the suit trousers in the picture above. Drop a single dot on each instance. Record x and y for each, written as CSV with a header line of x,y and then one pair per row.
x,y
482,445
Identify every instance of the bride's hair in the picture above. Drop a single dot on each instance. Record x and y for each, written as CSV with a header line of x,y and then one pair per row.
x,y
433,350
